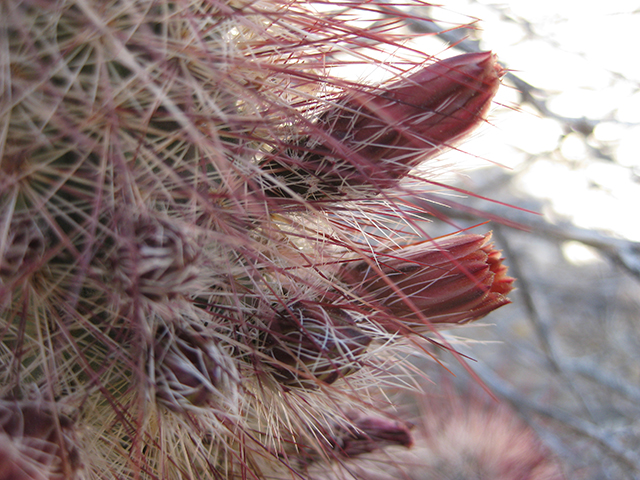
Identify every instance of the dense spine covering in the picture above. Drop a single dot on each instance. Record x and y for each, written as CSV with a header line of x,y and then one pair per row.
x,y
193,211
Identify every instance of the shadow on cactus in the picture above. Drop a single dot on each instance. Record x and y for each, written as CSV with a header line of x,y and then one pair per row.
x,y
209,255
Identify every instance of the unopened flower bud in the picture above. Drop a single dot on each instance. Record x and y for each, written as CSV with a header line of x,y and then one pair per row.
x,y
191,370
37,442
311,343
373,138
372,432
354,435
23,248
156,258
457,280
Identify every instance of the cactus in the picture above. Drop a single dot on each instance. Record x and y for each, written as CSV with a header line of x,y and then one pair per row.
x,y
207,250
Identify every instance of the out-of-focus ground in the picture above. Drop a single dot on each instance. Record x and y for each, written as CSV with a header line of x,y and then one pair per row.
x,y
566,354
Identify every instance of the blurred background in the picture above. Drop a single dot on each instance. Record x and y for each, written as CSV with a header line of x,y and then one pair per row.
x,y
564,142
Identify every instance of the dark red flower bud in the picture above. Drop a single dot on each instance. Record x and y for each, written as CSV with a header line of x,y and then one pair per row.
x,y
454,280
191,370
369,433
373,138
156,257
23,248
312,343
37,442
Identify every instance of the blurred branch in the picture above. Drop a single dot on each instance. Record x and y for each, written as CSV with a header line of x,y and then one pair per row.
x,y
607,379
624,253
540,326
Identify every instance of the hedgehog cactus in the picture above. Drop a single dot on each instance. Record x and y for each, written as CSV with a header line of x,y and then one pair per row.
x,y
207,251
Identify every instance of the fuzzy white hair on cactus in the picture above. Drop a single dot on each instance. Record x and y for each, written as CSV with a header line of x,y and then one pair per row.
x,y
205,251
